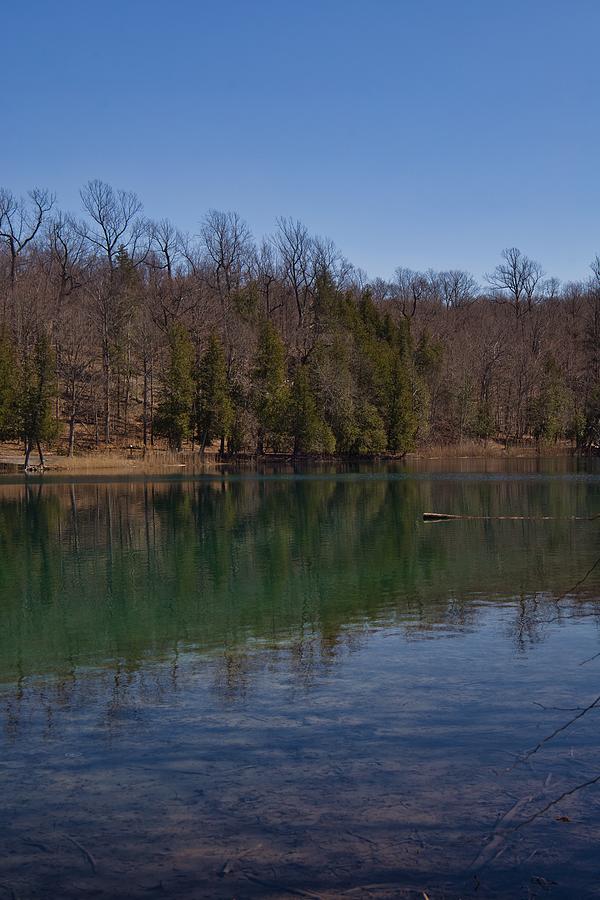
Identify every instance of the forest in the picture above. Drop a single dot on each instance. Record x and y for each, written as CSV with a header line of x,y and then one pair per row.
x,y
118,331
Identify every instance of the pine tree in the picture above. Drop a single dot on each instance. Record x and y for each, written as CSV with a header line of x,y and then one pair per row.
x,y
335,389
308,430
590,437
547,410
398,408
270,394
174,414
37,423
370,438
389,394
9,420
214,407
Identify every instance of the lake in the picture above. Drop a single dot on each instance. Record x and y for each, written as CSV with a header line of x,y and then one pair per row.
x,y
288,684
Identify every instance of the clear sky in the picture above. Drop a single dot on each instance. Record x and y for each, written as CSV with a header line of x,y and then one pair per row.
x,y
412,132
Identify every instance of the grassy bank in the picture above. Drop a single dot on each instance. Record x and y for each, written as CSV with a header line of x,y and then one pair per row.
x,y
493,449
123,460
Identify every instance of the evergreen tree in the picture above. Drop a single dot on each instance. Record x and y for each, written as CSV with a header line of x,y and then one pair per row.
x,y
547,410
270,394
483,426
590,439
389,394
335,389
326,297
174,414
9,421
125,273
428,356
370,434
214,407
398,407
309,432
37,423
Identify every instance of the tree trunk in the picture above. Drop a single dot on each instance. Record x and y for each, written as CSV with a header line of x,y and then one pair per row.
x,y
118,416
145,403
96,425
127,390
72,434
107,373
151,406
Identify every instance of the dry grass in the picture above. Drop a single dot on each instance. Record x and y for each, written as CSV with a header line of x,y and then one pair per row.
x,y
123,461
113,460
493,449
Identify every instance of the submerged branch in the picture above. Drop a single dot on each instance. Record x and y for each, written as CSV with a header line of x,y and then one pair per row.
x,y
551,803
560,729
85,852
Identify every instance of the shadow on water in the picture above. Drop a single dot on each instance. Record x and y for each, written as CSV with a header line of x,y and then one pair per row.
x,y
267,686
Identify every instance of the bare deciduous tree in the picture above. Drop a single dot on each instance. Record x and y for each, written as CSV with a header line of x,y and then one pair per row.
x,y
69,258
515,279
228,244
409,289
167,243
115,222
457,288
296,251
20,222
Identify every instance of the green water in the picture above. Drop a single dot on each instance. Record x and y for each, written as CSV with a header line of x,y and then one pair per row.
x,y
251,685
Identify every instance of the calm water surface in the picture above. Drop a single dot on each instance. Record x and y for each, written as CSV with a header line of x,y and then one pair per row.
x,y
279,685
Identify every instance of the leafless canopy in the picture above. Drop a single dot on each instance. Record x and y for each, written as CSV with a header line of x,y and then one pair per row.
x,y
228,245
457,288
115,222
516,279
167,246
21,220
296,248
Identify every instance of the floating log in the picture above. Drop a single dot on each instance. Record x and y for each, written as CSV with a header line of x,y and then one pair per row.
x,y
444,517
438,517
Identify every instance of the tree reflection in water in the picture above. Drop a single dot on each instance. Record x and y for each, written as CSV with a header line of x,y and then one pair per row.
x,y
247,687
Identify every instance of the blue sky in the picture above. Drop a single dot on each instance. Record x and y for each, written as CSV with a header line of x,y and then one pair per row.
x,y
417,132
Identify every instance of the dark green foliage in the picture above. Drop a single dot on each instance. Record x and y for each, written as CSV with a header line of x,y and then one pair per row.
x,y
174,414
335,389
246,300
327,298
547,411
398,404
368,389
35,405
270,393
126,275
308,430
214,407
428,356
388,382
590,438
9,386
576,428
483,426
370,433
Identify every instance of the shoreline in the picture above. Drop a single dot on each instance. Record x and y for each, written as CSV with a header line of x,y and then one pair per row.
x,y
125,461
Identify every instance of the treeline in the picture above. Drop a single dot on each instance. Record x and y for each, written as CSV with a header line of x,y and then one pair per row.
x,y
116,330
